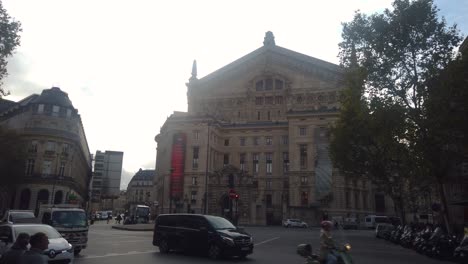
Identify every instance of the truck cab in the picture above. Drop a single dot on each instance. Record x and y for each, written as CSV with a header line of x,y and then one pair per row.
x,y
69,220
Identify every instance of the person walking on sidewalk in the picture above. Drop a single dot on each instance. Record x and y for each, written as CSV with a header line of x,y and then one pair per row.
x,y
109,217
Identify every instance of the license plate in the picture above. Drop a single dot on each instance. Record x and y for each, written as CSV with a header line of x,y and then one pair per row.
x,y
245,248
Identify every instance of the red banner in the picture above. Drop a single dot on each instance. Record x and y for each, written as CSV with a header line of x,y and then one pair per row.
x,y
177,165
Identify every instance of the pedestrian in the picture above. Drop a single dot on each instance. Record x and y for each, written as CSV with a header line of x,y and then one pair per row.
x,y
327,244
109,217
119,218
13,255
35,255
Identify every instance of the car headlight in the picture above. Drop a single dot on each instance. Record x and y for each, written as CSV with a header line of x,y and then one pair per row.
x,y
70,248
347,247
228,240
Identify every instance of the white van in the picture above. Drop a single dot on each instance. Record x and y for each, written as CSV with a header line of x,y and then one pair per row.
x,y
371,221
69,220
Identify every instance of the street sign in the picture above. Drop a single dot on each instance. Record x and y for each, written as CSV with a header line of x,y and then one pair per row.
x,y
232,194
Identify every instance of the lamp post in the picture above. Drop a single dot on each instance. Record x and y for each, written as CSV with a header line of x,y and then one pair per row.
x,y
205,209
170,190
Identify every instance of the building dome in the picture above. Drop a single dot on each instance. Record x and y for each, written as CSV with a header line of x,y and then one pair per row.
x,y
144,175
54,96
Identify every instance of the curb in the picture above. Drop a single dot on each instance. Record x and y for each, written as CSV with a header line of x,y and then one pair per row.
x,y
131,229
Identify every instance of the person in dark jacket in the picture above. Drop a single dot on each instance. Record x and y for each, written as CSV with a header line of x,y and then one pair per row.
x,y
35,255
13,255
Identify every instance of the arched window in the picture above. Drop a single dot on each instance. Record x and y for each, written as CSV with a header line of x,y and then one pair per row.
x,y
25,197
42,198
58,197
304,198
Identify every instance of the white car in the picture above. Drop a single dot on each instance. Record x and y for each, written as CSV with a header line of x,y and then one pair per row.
x,y
59,249
14,216
294,223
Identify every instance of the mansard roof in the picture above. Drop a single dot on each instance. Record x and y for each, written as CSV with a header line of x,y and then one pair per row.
x,y
54,96
144,175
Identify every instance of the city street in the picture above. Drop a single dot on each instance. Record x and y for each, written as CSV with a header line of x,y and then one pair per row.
x,y
272,245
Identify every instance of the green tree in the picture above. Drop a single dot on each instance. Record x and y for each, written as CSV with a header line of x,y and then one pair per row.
x,y
366,143
9,40
399,51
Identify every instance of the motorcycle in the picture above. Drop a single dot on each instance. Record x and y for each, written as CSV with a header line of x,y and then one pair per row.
x,y
461,252
444,248
421,239
427,249
342,254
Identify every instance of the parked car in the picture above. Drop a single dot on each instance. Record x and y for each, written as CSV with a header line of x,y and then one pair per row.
x,y
350,223
383,230
371,221
14,216
59,251
295,223
209,234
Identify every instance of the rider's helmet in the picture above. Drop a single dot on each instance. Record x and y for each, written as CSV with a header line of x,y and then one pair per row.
x,y
326,224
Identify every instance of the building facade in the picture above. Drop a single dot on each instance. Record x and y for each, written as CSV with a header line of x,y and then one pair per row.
x,y
107,174
57,165
258,128
140,189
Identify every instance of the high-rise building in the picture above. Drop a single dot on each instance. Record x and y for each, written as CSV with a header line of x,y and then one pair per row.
x,y
106,178
253,145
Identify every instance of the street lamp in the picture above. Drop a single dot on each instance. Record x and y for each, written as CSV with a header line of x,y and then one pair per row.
x,y
205,209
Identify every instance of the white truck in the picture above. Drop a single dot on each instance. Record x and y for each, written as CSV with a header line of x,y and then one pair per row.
x,y
139,214
69,220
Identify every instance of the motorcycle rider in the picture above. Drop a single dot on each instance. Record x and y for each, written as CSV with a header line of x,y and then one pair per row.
x,y
327,244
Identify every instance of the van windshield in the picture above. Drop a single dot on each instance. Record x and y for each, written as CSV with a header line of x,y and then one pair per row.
x,y
219,223
33,229
14,216
142,211
69,219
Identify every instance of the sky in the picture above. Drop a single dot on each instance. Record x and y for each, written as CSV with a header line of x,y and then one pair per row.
x,y
124,64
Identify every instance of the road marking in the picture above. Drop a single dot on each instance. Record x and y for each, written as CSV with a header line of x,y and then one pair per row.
x,y
130,241
266,241
116,254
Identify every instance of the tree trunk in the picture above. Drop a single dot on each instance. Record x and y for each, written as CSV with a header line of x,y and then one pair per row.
x,y
445,213
402,210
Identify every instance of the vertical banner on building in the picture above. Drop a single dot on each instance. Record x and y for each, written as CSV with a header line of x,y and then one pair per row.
x,y
177,165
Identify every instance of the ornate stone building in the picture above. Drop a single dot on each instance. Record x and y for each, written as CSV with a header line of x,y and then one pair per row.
x,y
140,189
258,127
58,162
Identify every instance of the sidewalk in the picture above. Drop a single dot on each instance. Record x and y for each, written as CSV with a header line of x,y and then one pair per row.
x,y
136,227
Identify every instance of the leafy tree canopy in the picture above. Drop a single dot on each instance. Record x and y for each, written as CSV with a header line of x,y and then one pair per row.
x,y
9,40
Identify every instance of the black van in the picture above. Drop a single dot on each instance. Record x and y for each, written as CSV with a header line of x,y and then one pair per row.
x,y
209,234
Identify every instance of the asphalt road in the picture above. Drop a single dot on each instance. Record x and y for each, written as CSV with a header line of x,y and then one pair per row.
x,y
272,245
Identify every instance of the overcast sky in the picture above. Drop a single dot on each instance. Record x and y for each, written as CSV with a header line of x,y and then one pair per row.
x,y
124,64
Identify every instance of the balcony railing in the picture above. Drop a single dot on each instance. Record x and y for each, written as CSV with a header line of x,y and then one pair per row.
x,y
49,152
55,179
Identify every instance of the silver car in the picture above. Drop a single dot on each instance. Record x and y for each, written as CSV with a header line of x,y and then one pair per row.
x,y
294,223
59,249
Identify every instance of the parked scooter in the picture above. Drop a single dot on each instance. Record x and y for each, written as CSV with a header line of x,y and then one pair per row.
x,y
305,250
461,252
432,241
421,239
445,246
